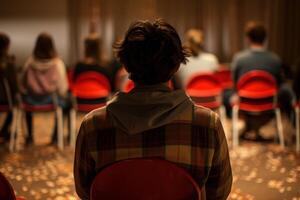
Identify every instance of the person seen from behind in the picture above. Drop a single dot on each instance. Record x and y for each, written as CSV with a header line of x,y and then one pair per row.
x,y
43,79
152,120
199,62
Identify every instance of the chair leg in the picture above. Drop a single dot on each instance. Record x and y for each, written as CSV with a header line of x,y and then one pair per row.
x,y
297,129
60,132
279,127
20,129
223,118
222,114
13,130
72,127
235,135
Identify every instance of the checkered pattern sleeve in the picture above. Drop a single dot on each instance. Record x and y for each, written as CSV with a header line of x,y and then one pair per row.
x,y
218,185
84,165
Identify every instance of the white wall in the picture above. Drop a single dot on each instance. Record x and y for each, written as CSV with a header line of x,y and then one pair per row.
x,y
23,20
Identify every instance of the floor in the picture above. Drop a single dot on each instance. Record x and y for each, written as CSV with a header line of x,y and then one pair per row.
x,y
262,171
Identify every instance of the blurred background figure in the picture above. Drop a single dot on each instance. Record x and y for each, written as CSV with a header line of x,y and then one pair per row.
x,y
43,75
92,60
9,73
258,57
199,61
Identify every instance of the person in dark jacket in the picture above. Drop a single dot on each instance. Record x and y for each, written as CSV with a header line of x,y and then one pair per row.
x,y
8,72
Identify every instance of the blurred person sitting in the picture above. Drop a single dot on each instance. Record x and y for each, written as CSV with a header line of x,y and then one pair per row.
x,y
200,61
43,75
8,71
152,120
92,58
257,57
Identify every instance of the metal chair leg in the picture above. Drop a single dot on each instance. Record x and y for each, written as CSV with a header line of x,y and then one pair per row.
x,y
72,127
235,135
13,130
297,129
222,114
20,129
59,117
279,127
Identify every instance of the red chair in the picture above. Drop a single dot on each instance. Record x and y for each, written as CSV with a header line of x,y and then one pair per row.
x,y
137,179
6,190
128,86
10,107
206,90
224,77
257,91
91,87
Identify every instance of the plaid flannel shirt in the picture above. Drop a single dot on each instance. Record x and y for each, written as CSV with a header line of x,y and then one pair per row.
x,y
195,141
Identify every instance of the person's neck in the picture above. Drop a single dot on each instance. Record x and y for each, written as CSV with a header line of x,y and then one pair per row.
x,y
256,46
90,60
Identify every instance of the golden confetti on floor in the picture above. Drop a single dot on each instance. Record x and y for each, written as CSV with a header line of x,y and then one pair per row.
x,y
261,171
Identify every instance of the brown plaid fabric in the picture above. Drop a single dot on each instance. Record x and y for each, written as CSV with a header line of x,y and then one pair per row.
x,y
195,141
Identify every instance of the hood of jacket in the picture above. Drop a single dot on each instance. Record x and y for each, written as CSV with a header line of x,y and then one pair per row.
x,y
147,107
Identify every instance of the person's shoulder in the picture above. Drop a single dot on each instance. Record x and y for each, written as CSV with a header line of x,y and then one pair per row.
x,y
205,117
209,56
96,119
242,54
58,61
274,56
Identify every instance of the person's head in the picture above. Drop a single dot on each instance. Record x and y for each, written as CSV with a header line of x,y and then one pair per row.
x,y
194,41
4,44
44,47
92,47
151,52
255,33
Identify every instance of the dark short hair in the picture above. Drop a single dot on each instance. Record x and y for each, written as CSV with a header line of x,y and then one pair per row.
x,y
256,32
44,47
92,47
4,44
151,52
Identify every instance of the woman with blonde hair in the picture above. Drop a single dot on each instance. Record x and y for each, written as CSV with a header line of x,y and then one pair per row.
x,y
199,61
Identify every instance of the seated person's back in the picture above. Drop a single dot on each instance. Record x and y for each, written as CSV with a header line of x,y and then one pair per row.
x,y
44,73
8,70
91,60
152,120
256,57
199,62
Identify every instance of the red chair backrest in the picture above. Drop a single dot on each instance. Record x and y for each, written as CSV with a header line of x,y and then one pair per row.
x,y
224,77
128,86
204,85
257,84
137,179
6,190
91,85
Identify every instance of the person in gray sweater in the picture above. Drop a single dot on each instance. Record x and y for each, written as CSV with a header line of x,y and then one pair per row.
x,y
257,57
